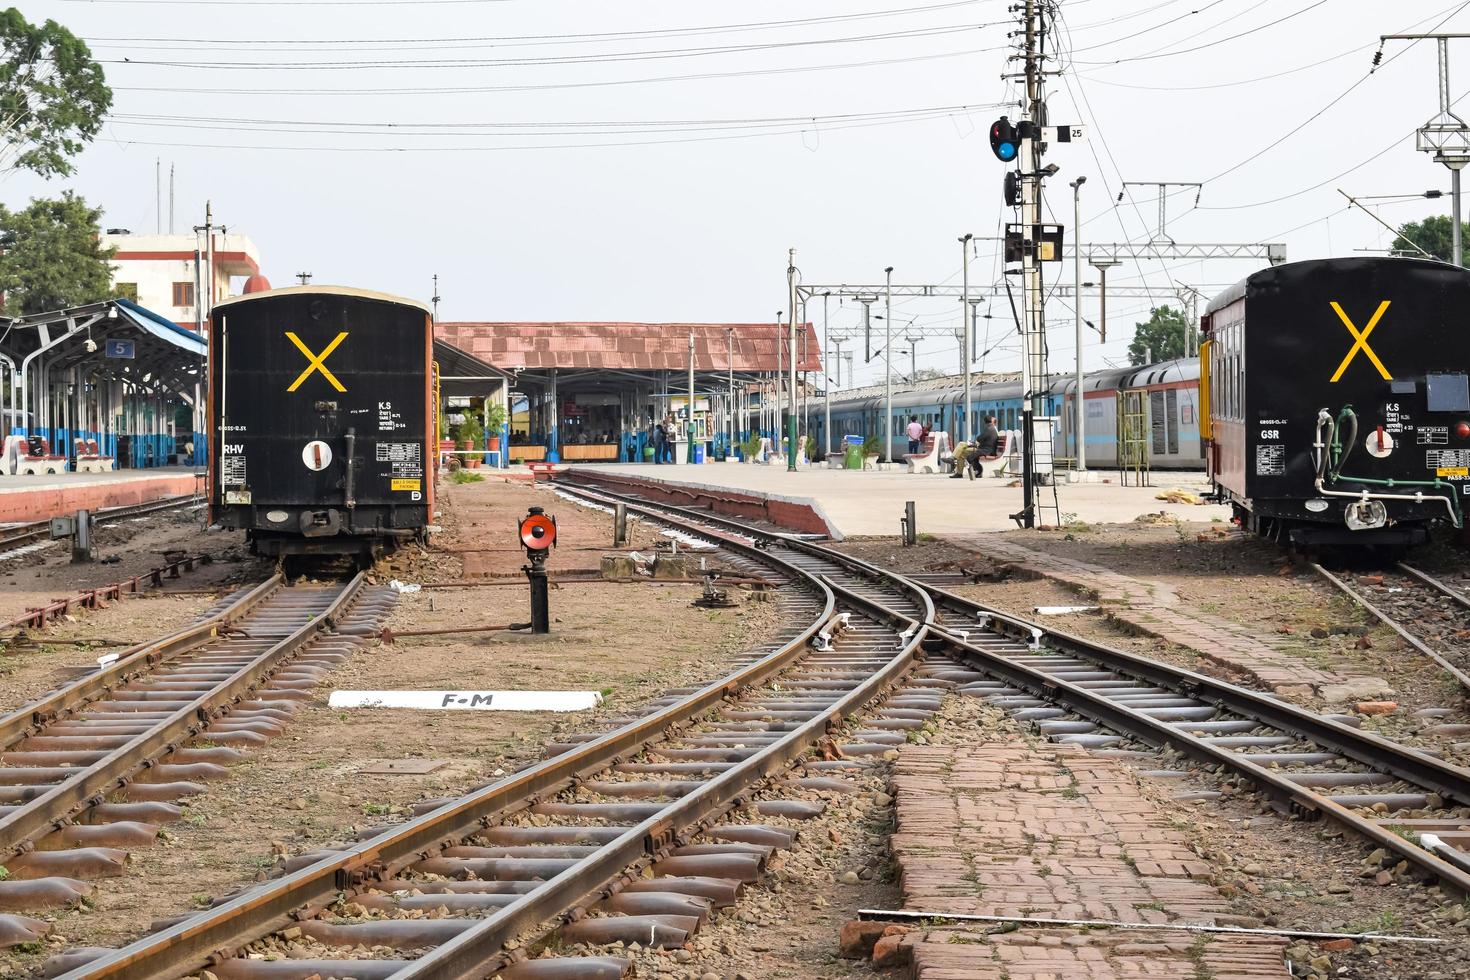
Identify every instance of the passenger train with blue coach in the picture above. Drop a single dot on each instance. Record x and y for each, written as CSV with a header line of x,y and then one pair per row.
x,y
1163,398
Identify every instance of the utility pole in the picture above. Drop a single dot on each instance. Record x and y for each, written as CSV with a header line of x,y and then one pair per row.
x,y
826,378
689,452
776,391
730,368
791,365
838,342
806,400
305,278
1102,265
888,364
1033,331
158,195
204,280
1079,416
913,343
435,297
967,343
1446,135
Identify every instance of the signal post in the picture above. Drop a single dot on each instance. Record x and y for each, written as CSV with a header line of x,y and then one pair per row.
x,y
1030,242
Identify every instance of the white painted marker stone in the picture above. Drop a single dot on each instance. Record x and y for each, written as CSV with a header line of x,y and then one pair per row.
x,y
468,700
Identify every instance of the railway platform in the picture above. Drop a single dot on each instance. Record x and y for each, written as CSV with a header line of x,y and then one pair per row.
x,y
845,503
37,498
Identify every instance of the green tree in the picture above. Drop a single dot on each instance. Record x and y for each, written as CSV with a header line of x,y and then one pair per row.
x,y
1163,337
50,257
1434,234
52,95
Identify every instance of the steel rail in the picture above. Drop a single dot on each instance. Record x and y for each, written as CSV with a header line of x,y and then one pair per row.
x,y
1459,675
1431,581
1450,782
468,955
38,816
19,535
1160,734
131,663
195,942
1449,591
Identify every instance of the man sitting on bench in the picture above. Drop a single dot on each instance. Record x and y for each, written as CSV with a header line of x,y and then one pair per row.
x,y
986,449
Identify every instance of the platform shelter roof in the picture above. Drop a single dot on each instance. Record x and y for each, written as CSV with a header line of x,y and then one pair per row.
x,y
635,347
464,374
115,339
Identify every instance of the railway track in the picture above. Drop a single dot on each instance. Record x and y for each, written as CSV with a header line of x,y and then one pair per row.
x,y
625,836
1433,616
19,535
1412,804
96,766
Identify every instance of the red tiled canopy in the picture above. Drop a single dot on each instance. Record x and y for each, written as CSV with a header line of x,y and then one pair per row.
x,y
631,346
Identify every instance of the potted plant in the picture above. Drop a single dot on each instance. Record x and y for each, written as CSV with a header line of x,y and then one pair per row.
x,y
496,414
750,448
871,450
472,437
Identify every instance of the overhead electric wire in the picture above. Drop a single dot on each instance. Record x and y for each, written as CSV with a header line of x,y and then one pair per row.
x,y
1215,43
616,57
1230,84
1150,30
861,124
549,39
547,86
1322,183
547,128
1448,14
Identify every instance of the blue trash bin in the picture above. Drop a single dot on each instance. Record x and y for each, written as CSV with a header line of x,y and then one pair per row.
x,y
698,452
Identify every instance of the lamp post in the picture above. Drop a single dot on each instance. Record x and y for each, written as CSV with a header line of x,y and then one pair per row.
x,y
966,344
1079,415
888,366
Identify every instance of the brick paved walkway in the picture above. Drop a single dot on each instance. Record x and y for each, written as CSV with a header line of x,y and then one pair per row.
x,y
1154,608
1006,829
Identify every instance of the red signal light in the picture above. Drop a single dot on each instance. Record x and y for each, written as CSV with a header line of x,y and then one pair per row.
x,y
538,532
1462,429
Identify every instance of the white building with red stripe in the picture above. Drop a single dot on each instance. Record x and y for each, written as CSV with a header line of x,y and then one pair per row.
x,y
168,273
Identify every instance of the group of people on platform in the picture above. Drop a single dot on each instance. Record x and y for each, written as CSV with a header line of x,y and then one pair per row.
x,y
663,439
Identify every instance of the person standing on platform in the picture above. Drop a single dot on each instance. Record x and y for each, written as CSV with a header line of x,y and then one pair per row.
x,y
671,428
660,442
916,435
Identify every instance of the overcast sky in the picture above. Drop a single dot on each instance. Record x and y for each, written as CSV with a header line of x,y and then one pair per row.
x,y
545,172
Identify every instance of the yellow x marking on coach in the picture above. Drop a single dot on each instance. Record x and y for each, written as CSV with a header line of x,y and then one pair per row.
x,y
317,359
1360,341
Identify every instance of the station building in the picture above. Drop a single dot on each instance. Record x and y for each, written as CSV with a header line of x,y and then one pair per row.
x,y
582,392
169,274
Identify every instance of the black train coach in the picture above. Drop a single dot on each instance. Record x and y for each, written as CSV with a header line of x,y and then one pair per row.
x,y
1338,410
321,420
